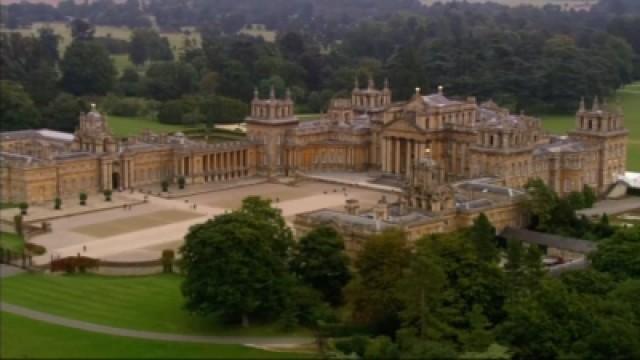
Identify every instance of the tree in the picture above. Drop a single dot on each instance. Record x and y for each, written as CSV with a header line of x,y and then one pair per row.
x,y
483,236
319,260
63,112
181,182
169,80
236,264
479,336
16,108
618,255
147,44
421,290
542,200
49,44
87,69
107,195
165,185
380,265
82,29
42,83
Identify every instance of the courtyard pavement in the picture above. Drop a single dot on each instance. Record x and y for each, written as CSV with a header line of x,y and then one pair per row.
x,y
142,232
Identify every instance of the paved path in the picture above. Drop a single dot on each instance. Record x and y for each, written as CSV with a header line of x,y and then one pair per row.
x,y
147,335
612,207
9,270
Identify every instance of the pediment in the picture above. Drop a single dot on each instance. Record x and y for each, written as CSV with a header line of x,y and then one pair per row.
x,y
403,125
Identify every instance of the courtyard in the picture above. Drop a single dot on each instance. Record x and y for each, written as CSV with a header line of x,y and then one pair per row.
x,y
141,232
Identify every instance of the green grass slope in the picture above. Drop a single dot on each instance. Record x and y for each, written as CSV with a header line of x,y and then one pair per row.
x,y
29,339
152,303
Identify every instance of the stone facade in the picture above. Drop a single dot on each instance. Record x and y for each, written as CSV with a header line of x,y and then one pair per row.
x,y
469,140
40,165
458,139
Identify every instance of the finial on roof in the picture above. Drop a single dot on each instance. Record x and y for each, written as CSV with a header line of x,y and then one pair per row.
x,y
272,92
93,107
256,95
440,89
582,107
604,103
418,91
356,83
288,94
386,83
370,83
596,104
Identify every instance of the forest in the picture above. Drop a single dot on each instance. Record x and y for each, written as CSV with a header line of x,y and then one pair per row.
x,y
538,60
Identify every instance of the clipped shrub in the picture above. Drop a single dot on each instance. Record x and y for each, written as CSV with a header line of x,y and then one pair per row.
x,y
23,208
57,203
74,264
35,249
107,195
83,198
181,182
165,185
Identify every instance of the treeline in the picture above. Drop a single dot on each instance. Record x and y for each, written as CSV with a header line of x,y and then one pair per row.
x,y
465,295
534,59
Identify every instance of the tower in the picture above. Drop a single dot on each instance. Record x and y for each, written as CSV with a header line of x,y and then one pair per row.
x,y
93,133
270,123
603,125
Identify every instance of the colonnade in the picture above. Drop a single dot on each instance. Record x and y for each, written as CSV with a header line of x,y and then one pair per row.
x,y
217,166
398,155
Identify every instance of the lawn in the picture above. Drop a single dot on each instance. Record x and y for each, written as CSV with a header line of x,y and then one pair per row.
x,y
629,99
11,242
152,303
129,126
25,338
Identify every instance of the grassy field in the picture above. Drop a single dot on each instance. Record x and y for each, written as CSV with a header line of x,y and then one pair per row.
x,y
151,303
25,338
11,242
129,126
176,39
629,99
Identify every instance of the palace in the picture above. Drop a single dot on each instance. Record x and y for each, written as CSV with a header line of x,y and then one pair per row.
x,y
450,156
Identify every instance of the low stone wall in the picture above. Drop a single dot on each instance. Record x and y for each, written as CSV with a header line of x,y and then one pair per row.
x,y
141,268
112,268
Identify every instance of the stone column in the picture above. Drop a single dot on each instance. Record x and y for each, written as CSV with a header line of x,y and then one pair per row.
x,y
124,165
397,156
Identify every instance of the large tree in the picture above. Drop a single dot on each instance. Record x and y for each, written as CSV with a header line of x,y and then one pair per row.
x,y
63,112
619,255
87,69
380,266
17,110
236,264
320,261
